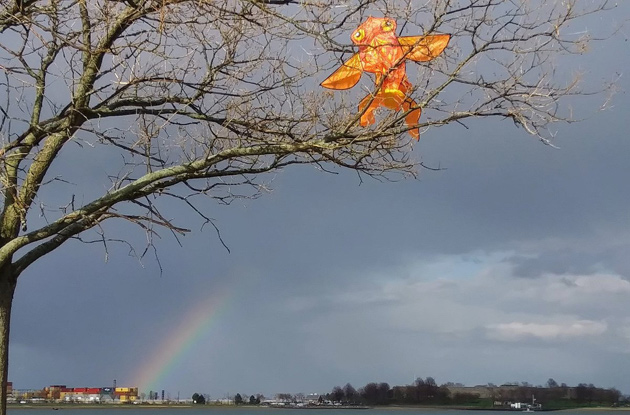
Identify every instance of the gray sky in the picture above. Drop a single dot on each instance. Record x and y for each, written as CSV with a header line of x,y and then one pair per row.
x,y
509,265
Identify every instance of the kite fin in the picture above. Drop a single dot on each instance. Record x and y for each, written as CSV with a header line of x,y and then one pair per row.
x,y
424,48
346,76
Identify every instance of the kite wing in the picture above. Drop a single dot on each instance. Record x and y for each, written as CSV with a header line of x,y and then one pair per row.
x,y
424,48
347,76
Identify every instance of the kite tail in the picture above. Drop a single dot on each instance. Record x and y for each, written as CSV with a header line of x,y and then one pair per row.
x,y
368,117
412,119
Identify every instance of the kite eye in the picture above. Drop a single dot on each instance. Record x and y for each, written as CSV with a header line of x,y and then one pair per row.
x,y
387,25
358,35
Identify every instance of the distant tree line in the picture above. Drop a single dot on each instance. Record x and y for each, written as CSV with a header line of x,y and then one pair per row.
x,y
198,399
428,392
238,399
242,399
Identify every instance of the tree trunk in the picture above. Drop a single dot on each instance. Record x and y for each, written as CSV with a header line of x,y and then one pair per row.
x,y
7,288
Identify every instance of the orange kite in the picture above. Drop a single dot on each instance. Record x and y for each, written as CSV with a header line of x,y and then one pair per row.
x,y
382,53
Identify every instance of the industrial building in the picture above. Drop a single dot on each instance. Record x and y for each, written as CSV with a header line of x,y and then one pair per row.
x,y
62,393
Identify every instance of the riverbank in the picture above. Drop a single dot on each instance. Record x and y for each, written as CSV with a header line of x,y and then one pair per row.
x,y
211,407
55,407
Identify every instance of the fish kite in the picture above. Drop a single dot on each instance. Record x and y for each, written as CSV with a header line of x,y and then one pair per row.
x,y
383,53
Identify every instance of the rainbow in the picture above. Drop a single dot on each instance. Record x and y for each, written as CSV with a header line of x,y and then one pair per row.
x,y
169,353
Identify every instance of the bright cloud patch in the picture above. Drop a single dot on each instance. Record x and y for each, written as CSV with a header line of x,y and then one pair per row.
x,y
515,331
603,283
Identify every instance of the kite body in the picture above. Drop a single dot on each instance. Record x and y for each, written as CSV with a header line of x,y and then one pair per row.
x,y
382,53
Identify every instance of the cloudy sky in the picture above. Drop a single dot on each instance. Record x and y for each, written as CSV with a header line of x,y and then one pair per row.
x,y
511,264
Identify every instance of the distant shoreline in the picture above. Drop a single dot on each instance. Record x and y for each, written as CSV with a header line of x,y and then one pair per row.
x,y
50,406
65,406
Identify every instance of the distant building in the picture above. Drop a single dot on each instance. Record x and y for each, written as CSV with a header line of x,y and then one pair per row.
x,y
126,394
53,392
313,398
61,393
28,394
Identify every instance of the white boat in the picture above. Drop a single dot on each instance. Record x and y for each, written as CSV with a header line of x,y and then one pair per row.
x,y
530,408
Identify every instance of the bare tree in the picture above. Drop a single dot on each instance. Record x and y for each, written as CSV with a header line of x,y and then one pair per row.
x,y
189,99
